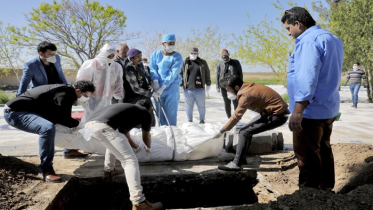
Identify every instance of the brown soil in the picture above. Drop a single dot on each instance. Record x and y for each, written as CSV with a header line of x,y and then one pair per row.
x,y
353,168
277,188
15,175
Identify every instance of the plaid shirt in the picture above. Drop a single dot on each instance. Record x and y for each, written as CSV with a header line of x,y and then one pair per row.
x,y
134,81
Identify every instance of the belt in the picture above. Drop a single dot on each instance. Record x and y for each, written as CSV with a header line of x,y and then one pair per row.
x,y
7,109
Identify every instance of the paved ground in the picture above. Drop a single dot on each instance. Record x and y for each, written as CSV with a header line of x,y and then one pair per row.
x,y
355,125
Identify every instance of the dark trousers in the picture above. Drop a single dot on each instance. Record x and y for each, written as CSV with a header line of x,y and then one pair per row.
x,y
264,123
227,102
314,154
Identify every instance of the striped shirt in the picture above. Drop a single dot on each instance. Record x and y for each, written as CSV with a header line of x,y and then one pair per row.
x,y
356,76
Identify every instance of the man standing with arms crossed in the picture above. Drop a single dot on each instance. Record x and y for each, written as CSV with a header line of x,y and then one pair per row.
x,y
313,81
227,68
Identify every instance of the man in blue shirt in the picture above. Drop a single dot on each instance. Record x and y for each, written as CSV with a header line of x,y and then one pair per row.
x,y
313,80
165,66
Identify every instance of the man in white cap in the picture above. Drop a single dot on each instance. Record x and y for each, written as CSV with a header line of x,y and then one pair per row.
x,y
165,66
107,76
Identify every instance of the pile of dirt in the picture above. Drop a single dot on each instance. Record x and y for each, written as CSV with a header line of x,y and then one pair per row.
x,y
313,199
354,179
15,174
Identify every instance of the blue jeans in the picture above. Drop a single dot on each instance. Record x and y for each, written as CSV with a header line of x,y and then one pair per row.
x,y
199,97
355,92
33,123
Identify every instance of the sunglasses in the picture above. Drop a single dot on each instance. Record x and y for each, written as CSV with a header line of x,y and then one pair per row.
x,y
288,12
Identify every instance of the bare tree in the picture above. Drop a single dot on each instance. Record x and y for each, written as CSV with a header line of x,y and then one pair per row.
x,y
10,58
78,29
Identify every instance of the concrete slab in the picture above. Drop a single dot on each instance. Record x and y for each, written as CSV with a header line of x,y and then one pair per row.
x,y
355,125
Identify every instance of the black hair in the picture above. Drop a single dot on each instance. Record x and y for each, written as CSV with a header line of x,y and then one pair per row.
x,y
145,60
232,81
44,46
145,103
84,85
357,63
298,14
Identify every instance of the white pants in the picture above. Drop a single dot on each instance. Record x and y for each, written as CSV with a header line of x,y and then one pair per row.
x,y
122,150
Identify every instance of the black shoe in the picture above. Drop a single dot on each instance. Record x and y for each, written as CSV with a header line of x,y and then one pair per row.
x,y
202,122
355,106
190,121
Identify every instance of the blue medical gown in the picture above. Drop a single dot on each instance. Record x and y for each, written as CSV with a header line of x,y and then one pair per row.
x,y
166,69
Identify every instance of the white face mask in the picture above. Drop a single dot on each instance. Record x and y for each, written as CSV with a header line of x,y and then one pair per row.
x,y
354,67
231,96
110,60
52,59
192,57
83,99
169,48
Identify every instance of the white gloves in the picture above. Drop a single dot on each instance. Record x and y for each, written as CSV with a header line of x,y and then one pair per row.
x,y
81,125
208,87
147,149
217,135
156,95
155,85
136,149
160,90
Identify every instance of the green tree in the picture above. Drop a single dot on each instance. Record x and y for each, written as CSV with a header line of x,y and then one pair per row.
x,y
265,45
208,41
78,29
10,53
351,22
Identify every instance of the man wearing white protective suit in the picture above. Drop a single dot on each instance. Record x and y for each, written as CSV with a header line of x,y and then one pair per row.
x,y
106,75
165,66
106,125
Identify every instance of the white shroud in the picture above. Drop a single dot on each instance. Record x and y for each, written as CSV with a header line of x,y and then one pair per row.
x,y
193,142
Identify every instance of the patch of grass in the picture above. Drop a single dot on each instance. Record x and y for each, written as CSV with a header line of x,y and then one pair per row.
x,y
264,81
343,82
3,97
285,97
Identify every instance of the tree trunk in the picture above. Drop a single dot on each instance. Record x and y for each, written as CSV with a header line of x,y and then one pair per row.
x,y
369,75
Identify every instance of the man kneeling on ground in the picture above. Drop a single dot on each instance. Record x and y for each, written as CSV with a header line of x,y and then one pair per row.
x,y
122,116
272,108
39,109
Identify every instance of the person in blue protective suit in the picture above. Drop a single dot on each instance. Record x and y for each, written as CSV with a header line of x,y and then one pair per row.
x,y
165,66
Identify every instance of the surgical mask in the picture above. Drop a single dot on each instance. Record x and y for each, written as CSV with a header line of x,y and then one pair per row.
x,y
169,48
110,60
52,59
225,57
355,68
231,96
83,99
192,57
